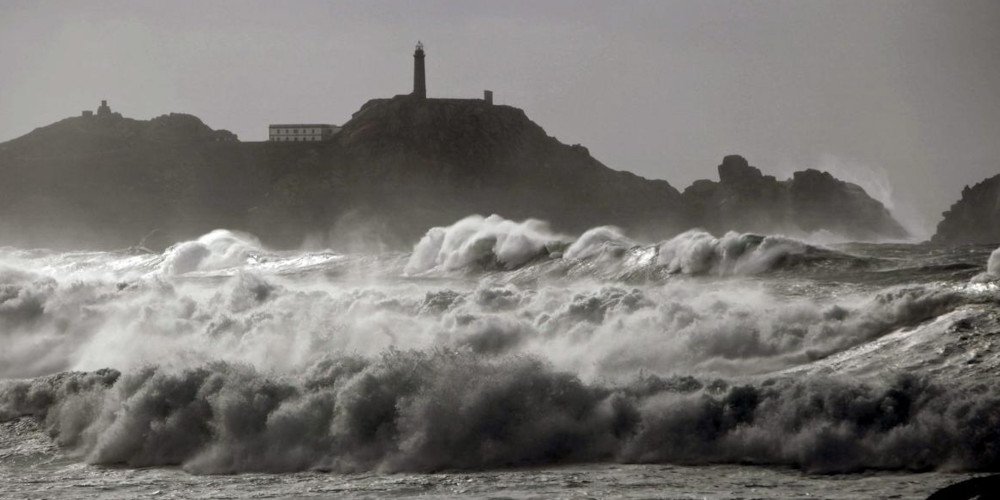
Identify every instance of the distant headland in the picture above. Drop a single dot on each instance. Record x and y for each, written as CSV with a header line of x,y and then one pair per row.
x,y
399,166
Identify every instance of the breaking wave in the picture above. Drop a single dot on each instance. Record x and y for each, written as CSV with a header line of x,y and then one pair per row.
x,y
420,411
219,249
992,269
476,239
498,343
497,243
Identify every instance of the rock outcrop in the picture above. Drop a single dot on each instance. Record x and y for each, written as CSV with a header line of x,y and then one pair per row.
x,y
974,218
811,201
398,167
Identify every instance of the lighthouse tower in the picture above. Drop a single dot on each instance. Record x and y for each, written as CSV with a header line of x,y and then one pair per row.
x,y
419,80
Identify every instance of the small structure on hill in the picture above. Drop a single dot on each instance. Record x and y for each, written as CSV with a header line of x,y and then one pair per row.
x,y
103,111
419,76
302,132
323,132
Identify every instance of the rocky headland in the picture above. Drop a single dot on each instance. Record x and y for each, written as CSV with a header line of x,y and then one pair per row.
x,y
974,218
398,167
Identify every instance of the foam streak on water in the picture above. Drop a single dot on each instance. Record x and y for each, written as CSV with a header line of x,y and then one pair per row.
x,y
495,345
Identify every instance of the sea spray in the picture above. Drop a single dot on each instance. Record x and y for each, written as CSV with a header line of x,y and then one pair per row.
x,y
510,346
596,330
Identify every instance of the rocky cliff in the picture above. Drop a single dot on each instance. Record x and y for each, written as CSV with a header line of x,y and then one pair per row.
x,y
440,160
975,218
398,167
809,202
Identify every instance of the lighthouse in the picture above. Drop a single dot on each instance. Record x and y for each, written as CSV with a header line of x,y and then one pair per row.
x,y
419,80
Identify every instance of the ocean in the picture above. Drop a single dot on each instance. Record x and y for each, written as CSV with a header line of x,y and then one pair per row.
x,y
500,359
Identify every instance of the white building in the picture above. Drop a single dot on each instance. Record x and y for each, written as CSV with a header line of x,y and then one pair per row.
x,y
301,132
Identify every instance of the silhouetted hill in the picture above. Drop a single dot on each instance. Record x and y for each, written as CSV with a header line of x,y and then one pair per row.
x,y
398,167
974,218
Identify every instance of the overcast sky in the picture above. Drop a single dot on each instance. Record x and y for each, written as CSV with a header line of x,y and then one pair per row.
x,y
900,96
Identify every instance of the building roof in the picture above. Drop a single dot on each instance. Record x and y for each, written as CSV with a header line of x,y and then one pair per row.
x,y
301,125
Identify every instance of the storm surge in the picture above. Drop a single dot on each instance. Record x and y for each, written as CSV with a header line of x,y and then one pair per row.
x,y
497,343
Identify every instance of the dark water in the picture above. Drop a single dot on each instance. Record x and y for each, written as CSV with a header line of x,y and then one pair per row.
x,y
500,359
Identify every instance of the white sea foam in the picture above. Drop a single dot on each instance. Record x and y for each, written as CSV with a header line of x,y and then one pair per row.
x,y
229,357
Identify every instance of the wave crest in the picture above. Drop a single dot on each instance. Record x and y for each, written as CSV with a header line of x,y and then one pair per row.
x,y
418,411
477,243
488,240
219,249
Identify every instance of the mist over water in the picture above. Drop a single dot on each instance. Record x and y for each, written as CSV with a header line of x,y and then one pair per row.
x,y
498,343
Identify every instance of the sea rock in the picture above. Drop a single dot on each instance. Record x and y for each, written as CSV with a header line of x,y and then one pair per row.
x,y
735,170
811,201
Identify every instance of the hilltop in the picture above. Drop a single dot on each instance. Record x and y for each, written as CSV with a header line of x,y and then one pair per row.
x,y
398,167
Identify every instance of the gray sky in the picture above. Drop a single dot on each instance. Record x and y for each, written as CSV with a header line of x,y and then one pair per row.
x,y
900,96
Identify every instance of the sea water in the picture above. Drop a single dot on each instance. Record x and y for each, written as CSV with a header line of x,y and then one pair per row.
x,y
499,359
